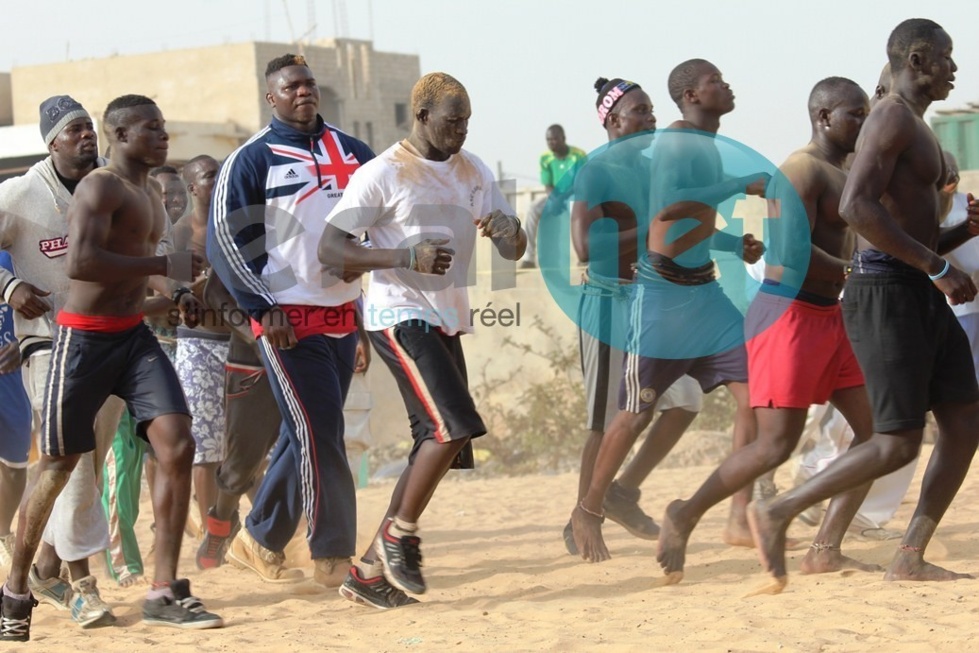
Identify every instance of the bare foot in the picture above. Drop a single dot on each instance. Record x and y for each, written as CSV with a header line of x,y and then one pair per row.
x,y
672,550
775,586
910,565
588,536
824,559
737,533
129,580
769,536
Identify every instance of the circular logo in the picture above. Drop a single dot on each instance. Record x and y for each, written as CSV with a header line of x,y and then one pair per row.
x,y
672,281
647,395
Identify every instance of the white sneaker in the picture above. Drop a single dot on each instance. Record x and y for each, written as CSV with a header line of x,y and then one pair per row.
x,y
87,607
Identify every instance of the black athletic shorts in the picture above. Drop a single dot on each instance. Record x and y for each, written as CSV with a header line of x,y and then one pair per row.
x,y
911,348
430,369
88,366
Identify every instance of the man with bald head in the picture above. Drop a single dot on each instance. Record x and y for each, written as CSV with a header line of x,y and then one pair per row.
x,y
913,352
201,352
798,352
682,322
173,190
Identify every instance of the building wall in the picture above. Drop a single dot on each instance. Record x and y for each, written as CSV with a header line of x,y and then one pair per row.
x,y
6,101
215,84
959,134
224,86
360,87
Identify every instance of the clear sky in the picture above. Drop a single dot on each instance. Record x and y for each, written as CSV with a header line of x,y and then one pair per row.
x,y
530,63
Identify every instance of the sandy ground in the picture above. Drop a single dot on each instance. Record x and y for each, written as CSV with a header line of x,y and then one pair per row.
x,y
500,580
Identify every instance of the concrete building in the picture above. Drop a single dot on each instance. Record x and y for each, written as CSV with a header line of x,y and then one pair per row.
x,y
214,97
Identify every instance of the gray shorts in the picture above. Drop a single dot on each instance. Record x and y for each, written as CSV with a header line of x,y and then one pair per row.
x,y
603,314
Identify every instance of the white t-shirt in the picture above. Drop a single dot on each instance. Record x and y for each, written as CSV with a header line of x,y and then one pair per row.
x,y
400,199
966,256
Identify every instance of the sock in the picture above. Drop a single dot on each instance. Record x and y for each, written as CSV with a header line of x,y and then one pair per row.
x,y
406,528
160,591
370,568
19,597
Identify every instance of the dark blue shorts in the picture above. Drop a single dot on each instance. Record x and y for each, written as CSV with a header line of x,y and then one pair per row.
x,y
87,367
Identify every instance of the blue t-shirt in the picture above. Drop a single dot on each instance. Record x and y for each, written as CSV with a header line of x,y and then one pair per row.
x,y
15,408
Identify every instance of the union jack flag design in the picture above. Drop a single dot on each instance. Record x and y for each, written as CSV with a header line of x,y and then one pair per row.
x,y
329,169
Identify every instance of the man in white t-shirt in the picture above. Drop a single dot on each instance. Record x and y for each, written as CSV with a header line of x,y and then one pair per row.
x,y
966,256
421,203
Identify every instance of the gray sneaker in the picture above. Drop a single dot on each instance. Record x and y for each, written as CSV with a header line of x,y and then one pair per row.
x,y
182,611
53,591
621,505
87,607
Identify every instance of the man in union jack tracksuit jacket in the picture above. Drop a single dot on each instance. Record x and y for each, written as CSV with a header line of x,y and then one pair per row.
x,y
267,215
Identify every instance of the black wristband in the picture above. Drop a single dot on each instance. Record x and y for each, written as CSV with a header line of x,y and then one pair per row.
x,y
180,292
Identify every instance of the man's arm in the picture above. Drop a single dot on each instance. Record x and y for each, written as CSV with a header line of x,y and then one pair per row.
x,y
23,297
809,182
885,136
236,234
342,254
676,190
546,175
499,222
9,357
582,220
218,299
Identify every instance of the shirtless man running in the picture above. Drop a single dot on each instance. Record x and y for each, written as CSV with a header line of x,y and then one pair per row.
x,y
911,348
705,338
102,347
798,352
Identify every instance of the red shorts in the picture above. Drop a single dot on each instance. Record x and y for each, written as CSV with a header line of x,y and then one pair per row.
x,y
798,353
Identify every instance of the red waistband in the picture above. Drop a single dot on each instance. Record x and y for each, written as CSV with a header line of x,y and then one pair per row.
x,y
316,320
99,323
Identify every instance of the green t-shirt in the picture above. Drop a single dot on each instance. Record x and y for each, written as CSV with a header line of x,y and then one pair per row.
x,y
553,168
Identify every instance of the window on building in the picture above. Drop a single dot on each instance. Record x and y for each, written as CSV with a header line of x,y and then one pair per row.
x,y
401,115
330,106
370,134
356,129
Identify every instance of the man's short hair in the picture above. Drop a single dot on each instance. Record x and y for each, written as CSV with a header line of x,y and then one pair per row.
x,y
556,128
911,35
163,170
432,89
684,77
284,61
826,94
117,113
191,166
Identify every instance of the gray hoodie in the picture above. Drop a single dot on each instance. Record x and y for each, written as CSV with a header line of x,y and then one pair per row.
x,y
34,230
